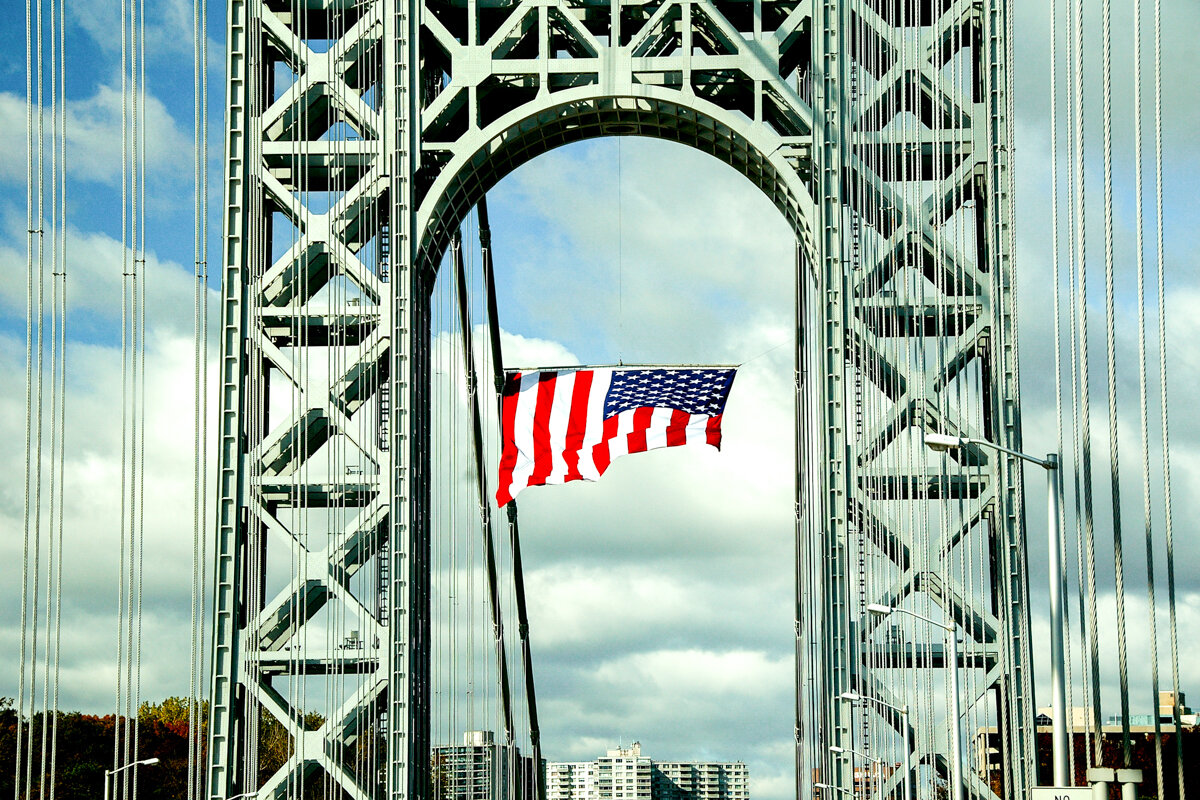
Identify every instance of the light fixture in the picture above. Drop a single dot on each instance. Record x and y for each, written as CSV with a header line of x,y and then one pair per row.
x,y
943,442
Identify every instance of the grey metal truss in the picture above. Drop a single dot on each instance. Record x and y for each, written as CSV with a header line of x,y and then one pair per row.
x,y
318,148
867,154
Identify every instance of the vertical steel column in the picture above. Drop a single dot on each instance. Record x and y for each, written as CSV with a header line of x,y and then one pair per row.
x,y
305,281
408,545
1010,579
803,525
830,116
225,723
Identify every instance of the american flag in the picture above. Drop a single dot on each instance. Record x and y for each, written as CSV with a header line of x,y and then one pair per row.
x,y
569,424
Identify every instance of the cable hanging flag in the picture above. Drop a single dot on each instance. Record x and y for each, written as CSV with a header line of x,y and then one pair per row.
x,y
569,424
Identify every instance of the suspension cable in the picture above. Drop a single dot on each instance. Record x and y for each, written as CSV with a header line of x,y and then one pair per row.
x,y
1111,361
1058,348
1085,431
62,383
1162,375
1142,389
33,173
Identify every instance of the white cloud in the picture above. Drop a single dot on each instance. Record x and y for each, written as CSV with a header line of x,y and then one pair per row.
x,y
168,27
92,513
726,676
93,139
94,266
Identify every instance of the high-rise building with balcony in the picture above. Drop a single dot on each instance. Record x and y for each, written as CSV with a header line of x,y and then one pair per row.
x,y
625,774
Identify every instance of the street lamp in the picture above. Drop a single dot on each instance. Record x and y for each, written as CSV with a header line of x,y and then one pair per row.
x,y
955,731
854,697
109,773
835,788
878,762
1058,678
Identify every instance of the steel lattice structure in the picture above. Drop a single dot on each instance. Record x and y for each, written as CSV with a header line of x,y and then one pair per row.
x,y
359,135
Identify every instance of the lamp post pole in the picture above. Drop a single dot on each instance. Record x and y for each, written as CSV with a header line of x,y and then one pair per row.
x,y
109,773
956,708
1058,673
956,722
903,712
1058,677
847,751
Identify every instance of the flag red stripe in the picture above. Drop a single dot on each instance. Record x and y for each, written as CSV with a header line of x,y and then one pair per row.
x,y
641,423
677,427
508,458
577,423
713,431
601,455
543,454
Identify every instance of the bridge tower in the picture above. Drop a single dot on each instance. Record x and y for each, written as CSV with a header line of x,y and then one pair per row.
x,y
359,135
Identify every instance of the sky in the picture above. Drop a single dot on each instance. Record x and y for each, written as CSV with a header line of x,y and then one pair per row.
x,y
660,597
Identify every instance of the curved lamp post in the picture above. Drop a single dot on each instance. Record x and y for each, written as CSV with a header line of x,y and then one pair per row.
x,y
1058,689
834,788
109,773
878,762
854,697
955,731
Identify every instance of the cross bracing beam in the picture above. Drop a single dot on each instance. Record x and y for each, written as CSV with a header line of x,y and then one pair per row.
x,y
362,132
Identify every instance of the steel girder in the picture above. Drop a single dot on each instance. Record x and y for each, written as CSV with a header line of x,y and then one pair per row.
x,y
817,103
315,470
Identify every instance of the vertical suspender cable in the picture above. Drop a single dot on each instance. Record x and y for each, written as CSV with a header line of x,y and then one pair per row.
x,y
39,403
140,266
464,321
1085,435
1055,256
1142,390
1162,374
1110,339
1072,257
1162,383
52,553
128,778
198,443
535,736
62,376
124,373
134,333
31,232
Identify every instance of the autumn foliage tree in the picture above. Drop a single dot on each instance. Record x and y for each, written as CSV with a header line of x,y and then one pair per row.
x,y
80,747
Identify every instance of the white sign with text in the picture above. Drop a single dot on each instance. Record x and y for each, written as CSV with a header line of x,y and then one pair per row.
x,y
1061,793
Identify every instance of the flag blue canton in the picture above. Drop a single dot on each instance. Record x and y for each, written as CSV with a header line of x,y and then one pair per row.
x,y
693,391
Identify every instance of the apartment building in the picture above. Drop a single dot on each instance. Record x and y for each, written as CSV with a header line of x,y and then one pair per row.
x,y
480,769
626,774
700,780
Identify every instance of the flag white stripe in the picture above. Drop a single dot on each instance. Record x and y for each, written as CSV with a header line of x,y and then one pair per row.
x,y
697,429
523,431
656,434
619,446
601,380
560,416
